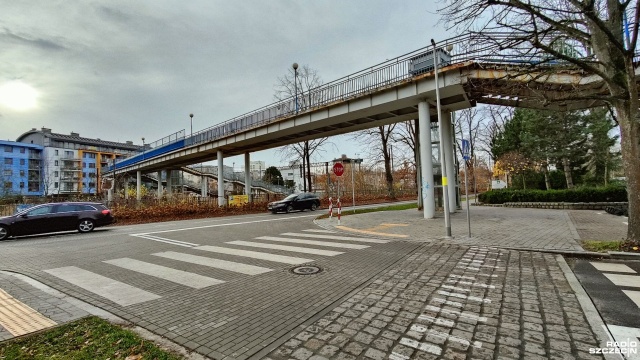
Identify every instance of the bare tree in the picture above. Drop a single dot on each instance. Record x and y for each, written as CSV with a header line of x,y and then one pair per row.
x,y
378,141
592,35
297,83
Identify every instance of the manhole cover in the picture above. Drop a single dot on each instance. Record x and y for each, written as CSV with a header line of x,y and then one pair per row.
x,y
306,270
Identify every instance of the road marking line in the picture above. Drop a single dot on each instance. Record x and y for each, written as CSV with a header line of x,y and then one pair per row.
x,y
468,268
462,277
472,284
432,349
458,313
177,276
455,288
19,318
116,291
461,296
422,329
613,267
437,321
633,295
214,263
287,248
396,356
624,335
320,231
368,232
168,241
624,280
255,255
313,242
332,237
219,225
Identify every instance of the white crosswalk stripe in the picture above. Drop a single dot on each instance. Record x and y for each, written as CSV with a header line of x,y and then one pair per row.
x,y
335,237
214,263
116,291
177,276
313,242
254,254
286,248
320,231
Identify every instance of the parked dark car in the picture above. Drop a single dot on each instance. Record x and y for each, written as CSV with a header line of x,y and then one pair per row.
x,y
292,202
54,217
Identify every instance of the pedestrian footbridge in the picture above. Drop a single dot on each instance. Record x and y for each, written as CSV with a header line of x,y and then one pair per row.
x,y
473,68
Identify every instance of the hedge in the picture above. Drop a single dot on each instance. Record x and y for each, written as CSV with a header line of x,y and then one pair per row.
x,y
601,194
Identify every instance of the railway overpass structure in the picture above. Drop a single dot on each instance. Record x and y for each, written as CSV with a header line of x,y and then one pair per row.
x,y
452,75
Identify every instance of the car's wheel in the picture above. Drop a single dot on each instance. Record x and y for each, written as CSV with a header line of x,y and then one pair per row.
x,y
314,207
86,225
289,209
4,233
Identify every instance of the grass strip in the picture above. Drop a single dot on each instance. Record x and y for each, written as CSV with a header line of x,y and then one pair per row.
x,y
88,338
601,246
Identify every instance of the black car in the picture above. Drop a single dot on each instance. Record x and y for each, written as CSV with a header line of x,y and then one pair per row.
x,y
295,202
45,218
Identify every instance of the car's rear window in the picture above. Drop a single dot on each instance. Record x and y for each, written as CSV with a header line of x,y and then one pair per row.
x,y
88,208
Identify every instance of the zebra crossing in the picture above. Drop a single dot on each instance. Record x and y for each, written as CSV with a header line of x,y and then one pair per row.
x,y
313,242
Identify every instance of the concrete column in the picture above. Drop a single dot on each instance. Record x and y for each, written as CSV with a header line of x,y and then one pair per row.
x,y
447,136
138,185
203,186
159,184
418,168
220,179
247,176
169,183
126,187
426,162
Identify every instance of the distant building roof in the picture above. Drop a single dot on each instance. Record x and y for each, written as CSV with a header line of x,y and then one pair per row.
x,y
20,144
76,138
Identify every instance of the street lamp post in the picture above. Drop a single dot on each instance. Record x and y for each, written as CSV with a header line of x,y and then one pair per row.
x,y
191,116
443,165
295,84
144,148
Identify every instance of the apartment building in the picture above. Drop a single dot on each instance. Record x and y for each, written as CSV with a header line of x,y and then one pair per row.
x,y
72,164
21,169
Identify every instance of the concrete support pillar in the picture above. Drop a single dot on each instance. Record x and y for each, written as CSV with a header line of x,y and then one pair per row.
x,y
169,183
204,188
447,135
138,185
247,176
220,179
418,168
159,184
126,187
426,163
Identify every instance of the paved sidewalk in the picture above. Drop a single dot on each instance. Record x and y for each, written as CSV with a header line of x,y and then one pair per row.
x,y
454,302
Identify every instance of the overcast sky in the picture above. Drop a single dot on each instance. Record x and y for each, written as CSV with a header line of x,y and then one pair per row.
x,y
123,70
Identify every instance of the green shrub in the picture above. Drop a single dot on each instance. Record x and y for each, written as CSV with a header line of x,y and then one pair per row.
x,y
585,194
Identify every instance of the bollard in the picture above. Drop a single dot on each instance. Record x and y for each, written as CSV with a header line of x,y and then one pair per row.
x,y
330,208
339,210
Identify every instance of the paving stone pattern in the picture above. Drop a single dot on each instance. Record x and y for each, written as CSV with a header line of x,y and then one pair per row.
x,y
454,302
490,226
52,307
598,225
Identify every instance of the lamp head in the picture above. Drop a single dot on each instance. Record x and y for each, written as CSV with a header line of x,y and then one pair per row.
x,y
295,66
433,42
191,116
449,47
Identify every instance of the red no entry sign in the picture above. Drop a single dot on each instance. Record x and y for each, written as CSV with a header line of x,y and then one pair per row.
x,y
338,169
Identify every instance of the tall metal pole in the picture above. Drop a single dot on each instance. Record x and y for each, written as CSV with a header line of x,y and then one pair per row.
x,y
191,116
295,84
445,188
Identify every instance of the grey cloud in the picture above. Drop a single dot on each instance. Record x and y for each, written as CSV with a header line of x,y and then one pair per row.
x,y
40,43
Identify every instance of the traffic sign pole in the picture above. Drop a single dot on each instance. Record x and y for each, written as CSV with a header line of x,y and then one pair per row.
x,y
466,155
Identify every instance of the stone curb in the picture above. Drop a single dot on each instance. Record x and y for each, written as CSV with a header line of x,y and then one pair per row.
x,y
621,255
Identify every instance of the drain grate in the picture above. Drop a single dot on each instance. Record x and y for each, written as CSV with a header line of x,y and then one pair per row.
x,y
306,270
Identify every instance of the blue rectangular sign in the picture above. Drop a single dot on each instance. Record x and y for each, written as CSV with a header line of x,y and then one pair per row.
x,y
466,149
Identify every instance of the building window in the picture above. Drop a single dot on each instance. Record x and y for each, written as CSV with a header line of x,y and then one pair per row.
x,y
84,164
22,150
55,185
56,152
56,174
55,163
8,184
8,149
68,154
21,184
22,161
92,165
21,172
8,172
8,161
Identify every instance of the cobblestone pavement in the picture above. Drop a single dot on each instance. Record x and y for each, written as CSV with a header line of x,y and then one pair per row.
x,y
598,225
490,226
454,302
